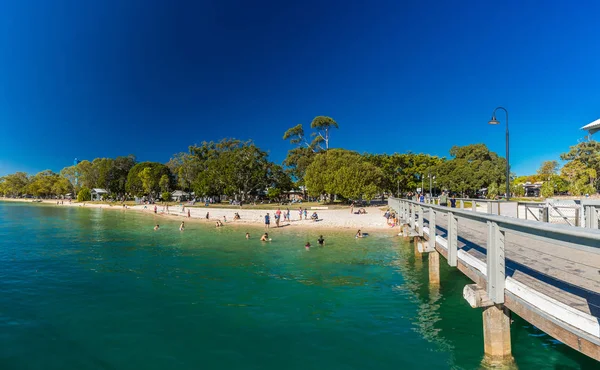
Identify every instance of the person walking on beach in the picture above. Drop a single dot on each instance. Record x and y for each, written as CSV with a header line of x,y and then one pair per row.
x,y
267,221
305,214
189,216
300,213
352,208
155,209
288,215
277,216
207,215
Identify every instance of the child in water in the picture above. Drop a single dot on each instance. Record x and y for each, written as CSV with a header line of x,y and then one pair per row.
x,y
307,246
265,238
247,235
182,226
156,227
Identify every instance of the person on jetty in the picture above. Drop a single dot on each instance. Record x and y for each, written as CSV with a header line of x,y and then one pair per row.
x,y
307,246
265,238
321,240
156,227
267,221
182,226
247,235
359,234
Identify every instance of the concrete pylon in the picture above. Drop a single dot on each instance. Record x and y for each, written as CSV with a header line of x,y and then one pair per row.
x,y
496,334
434,268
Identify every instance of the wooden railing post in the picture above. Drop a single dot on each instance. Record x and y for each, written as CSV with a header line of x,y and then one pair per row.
x,y
495,263
452,239
420,220
431,229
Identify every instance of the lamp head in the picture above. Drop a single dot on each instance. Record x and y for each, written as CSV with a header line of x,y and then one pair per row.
x,y
494,121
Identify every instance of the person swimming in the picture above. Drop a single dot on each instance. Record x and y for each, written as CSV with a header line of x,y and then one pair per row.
x,y
219,223
182,226
321,241
358,234
307,246
247,235
265,238
156,227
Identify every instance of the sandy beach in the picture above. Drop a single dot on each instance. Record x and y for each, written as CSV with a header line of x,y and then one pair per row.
x,y
328,218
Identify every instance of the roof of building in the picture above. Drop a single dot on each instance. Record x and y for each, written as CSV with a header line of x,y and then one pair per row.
x,y
98,191
592,127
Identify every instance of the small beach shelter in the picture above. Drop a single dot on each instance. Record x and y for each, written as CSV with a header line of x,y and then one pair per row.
x,y
179,195
98,193
593,127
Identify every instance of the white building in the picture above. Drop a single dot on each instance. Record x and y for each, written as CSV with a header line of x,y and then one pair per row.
x,y
98,193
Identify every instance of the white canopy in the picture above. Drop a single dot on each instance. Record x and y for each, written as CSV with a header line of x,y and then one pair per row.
x,y
592,127
99,191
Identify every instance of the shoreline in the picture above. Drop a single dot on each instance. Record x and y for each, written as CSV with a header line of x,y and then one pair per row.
x,y
334,219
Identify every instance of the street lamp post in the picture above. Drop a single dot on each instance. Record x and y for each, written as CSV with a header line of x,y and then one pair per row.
x,y
494,121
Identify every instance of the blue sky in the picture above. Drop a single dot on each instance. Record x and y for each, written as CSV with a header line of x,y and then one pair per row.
x,y
93,79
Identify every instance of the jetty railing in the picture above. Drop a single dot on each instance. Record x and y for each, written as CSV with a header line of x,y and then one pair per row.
x,y
591,213
413,213
475,202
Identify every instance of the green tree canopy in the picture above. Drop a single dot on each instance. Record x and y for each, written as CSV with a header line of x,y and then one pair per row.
x,y
343,172
145,182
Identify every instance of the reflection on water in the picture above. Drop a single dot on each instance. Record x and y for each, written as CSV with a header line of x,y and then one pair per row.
x,y
90,288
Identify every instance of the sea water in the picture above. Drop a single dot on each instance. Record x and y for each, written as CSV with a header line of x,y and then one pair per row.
x,y
99,289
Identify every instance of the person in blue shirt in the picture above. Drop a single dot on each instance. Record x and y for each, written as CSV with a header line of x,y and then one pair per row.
x,y
267,221
422,198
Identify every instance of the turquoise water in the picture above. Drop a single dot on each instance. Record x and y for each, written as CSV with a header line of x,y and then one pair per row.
x,y
99,289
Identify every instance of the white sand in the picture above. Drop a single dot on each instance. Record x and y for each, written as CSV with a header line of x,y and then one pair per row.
x,y
328,219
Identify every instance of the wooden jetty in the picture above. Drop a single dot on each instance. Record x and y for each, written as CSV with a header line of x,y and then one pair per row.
x,y
547,274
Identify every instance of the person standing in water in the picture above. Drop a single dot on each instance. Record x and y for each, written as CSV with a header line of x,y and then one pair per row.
x,y
247,235
307,246
156,227
358,234
321,240
182,226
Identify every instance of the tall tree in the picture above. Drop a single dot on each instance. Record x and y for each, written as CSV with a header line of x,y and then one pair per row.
x,y
547,169
587,156
323,125
344,173
147,183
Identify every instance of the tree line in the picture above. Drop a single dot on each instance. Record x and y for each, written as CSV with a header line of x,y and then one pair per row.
x,y
241,170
